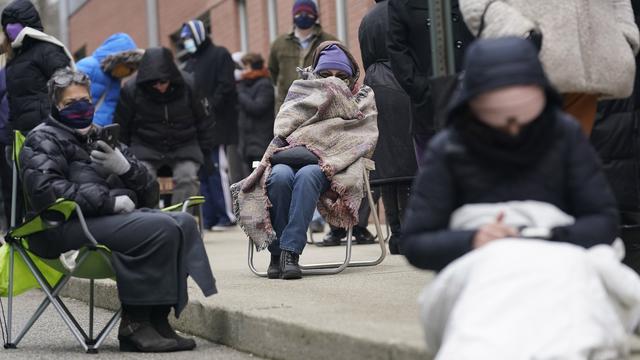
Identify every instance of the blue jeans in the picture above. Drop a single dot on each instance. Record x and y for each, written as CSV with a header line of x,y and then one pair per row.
x,y
214,187
294,195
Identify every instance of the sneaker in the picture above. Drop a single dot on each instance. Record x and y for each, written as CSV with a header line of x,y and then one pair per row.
x,y
223,227
363,236
289,265
333,237
273,272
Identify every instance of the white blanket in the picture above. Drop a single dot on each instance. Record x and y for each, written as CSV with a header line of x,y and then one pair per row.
x,y
530,299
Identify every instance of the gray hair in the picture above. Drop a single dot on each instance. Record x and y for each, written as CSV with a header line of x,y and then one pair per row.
x,y
62,79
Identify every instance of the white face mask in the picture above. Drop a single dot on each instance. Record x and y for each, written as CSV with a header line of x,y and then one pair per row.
x,y
190,46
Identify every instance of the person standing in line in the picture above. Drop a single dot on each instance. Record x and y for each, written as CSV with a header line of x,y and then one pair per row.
x,y
212,69
255,97
586,46
36,56
394,155
409,46
117,58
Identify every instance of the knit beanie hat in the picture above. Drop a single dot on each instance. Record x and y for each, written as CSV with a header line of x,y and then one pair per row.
x,y
194,29
333,58
308,6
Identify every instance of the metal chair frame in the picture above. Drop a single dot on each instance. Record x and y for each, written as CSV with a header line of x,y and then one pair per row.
x,y
336,267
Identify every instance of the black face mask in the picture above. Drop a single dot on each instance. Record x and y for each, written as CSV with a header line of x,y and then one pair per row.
x,y
497,149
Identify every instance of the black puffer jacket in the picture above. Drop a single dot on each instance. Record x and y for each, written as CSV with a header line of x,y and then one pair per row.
x,y
55,163
169,126
394,155
212,69
564,170
31,67
409,42
256,99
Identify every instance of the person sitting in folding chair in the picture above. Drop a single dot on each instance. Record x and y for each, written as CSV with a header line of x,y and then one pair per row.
x,y
152,252
326,132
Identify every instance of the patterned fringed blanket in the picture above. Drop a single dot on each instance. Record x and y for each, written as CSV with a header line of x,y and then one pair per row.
x,y
339,128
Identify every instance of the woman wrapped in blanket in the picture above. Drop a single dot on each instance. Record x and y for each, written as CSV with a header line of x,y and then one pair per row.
x,y
152,252
325,134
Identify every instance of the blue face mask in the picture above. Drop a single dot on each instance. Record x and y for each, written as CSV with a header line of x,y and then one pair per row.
x,y
77,115
304,21
190,46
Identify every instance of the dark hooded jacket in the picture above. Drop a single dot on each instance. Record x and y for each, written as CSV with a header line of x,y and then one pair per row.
x,y
162,127
31,67
552,162
394,156
212,69
410,53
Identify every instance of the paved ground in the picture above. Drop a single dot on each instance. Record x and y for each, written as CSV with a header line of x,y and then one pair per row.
x,y
50,338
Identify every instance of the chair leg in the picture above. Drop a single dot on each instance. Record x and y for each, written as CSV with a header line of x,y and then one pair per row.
x,y
9,344
106,330
252,267
91,305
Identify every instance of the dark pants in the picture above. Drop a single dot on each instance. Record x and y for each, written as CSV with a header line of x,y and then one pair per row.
x,y
420,143
6,181
294,195
153,252
215,188
395,197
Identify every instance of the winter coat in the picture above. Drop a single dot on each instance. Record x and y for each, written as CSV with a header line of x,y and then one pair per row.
x,y
588,46
5,127
461,167
70,174
255,97
162,127
103,85
409,46
286,56
29,70
212,70
394,156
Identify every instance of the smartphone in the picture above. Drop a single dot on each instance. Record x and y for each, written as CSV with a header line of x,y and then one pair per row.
x,y
110,134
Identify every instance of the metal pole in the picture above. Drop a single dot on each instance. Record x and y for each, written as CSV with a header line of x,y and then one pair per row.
x,y
441,37
63,19
244,30
272,9
341,21
152,23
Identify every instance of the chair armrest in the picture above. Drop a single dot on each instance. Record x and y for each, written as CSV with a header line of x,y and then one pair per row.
x,y
54,215
183,206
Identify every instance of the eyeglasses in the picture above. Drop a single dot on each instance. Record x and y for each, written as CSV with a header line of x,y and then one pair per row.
x,y
66,78
340,75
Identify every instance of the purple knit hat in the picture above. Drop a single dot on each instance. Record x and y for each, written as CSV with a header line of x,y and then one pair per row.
x,y
333,58
308,6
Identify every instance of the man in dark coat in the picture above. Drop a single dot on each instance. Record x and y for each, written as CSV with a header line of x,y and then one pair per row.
x,y
212,69
34,61
507,140
394,156
616,139
164,122
409,45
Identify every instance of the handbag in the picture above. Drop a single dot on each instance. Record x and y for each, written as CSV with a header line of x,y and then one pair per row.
x,y
296,157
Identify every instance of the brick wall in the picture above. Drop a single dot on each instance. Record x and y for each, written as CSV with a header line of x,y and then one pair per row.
x,y
98,19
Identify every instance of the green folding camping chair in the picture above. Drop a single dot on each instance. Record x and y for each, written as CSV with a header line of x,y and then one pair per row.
x,y
93,262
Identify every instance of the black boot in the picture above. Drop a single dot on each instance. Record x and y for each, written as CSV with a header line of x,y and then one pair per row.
x,y
159,314
136,333
334,236
289,265
393,245
363,235
273,272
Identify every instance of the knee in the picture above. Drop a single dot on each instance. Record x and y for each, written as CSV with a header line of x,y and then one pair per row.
x,y
311,174
281,177
185,220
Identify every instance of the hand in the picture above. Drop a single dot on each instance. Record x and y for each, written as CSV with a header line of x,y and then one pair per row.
x,y
123,204
493,231
110,159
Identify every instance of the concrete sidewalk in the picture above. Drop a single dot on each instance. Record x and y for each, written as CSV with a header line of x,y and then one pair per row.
x,y
362,313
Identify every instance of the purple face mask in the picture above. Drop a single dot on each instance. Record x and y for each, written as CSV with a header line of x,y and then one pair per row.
x,y
13,30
